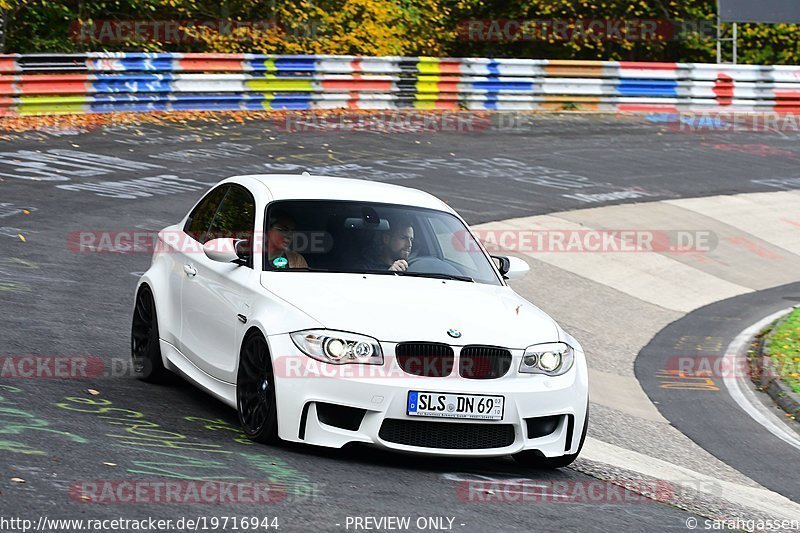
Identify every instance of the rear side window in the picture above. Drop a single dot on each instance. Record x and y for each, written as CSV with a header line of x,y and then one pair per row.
x,y
200,218
236,219
236,216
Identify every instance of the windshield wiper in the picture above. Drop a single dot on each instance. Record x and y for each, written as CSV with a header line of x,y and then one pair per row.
x,y
435,275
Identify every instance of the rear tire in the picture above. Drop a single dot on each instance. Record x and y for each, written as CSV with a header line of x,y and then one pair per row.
x,y
534,459
255,392
145,345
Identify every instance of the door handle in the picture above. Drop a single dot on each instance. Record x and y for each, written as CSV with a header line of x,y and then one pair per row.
x,y
190,270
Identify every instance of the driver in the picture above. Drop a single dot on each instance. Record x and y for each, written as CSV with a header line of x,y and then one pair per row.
x,y
395,249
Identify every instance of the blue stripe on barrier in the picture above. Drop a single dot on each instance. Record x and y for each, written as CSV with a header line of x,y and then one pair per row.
x,y
207,101
642,87
107,103
279,103
132,86
135,64
283,74
493,68
297,64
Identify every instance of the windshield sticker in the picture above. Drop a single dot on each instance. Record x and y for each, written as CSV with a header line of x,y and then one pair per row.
x,y
280,262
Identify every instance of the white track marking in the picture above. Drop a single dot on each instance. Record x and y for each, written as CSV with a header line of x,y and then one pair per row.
x,y
743,395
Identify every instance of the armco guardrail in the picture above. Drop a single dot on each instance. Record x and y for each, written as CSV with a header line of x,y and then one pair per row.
x,y
106,82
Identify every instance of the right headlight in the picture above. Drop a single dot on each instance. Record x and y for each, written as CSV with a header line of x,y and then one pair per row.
x,y
338,347
552,359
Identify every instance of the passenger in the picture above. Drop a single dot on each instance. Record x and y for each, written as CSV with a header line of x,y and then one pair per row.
x,y
280,230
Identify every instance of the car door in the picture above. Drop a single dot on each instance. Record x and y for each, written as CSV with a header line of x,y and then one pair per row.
x,y
180,251
214,294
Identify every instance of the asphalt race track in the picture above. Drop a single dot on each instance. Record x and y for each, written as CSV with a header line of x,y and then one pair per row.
x,y
714,421
58,436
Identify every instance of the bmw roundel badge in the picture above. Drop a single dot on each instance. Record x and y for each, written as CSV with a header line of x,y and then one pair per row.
x,y
454,333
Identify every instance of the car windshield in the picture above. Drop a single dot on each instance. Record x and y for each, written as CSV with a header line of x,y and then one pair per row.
x,y
372,238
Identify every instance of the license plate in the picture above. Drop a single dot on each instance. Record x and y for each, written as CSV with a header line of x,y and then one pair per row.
x,y
445,405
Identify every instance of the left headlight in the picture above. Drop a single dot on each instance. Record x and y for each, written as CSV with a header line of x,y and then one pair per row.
x,y
553,359
338,347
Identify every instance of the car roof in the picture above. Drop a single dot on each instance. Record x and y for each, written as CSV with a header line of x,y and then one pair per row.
x,y
307,187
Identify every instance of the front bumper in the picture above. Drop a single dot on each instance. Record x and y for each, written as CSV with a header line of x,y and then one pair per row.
x,y
306,389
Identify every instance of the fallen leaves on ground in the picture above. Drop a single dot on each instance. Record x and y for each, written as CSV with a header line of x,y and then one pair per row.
x,y
88,122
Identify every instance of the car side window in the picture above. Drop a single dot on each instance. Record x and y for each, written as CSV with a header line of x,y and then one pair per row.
x,y
235,218
199,220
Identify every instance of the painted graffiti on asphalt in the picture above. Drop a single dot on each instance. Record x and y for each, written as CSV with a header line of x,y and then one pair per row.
x,y
16,421
172,454
63,165
223,150
140,187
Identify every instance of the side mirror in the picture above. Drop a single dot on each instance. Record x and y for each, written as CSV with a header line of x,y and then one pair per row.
x,y
226,250
511,267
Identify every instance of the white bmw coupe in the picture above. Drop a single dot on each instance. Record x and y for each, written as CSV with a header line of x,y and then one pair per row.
x,y
332,311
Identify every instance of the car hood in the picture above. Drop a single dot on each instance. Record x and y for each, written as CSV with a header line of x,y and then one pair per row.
x,y
397,308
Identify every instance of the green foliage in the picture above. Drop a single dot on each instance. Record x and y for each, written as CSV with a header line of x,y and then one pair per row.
x,y
784,348
390,27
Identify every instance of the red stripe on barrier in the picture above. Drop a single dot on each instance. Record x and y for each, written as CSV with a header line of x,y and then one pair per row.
x,y
211,65
447,87
356,65
52,84
787,102
450,67
8,64
352,103
446,104
220,56
787,95
8,85
723,88
7,108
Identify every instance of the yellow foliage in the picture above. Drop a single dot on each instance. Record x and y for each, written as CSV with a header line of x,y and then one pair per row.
x,y
345,27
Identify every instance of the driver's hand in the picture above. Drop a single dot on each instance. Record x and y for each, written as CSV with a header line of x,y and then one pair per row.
x,y
401,265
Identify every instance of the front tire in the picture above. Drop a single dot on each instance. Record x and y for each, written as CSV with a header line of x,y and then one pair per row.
x,y
534,459
145,345
255,392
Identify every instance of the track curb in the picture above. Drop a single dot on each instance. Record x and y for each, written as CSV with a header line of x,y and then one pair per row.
x,y
763,375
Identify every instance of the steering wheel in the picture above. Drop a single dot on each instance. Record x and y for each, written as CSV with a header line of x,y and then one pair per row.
x,y
432,265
